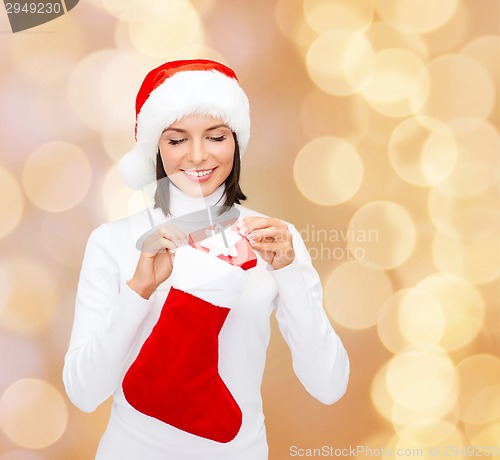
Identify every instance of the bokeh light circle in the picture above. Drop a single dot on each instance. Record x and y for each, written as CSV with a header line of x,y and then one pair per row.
x,y
394,90
57,176
464,216
477,373
487,440
379,394
462,306
119,200
11,202
485,50
384,235
33,413
164,28
340,62
382,36
29,301
328,170
411,316
354,295
124,11
484,408
292,24
420,319
478,163
416,16
325,15
421,377
471,222
450,97
403,416
103,82
388,322
429,439
473,258
48,61
398,412
422,151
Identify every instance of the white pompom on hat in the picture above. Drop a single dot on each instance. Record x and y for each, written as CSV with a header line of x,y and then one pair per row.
x,y
172,91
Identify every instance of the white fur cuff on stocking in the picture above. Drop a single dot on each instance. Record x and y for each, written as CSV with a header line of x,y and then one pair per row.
x,y
208,277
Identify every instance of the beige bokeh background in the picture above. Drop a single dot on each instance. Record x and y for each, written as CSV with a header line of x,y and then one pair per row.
x,y
374,131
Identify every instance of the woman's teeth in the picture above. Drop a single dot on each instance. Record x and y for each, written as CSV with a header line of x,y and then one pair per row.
x,y
199,174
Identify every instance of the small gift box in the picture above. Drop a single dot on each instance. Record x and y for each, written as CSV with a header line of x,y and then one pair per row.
x,y
224,241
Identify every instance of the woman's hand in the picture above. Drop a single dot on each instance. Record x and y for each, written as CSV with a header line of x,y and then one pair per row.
x,y
270,238
156,260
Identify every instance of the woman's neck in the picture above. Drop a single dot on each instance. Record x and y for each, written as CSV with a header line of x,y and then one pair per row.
x,y
181,203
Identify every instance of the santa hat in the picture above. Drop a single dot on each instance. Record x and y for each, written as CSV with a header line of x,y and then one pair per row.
x,y
172,91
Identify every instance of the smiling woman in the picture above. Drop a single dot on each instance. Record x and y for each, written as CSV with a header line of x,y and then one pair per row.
x,y
177,333
198,153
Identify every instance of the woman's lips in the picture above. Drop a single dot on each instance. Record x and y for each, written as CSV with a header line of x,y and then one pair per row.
x,y
199,175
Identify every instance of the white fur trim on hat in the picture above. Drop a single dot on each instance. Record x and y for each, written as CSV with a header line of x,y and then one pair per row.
x,y
204,92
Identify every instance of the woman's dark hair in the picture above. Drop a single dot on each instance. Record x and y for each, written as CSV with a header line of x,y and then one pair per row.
x,y
233,193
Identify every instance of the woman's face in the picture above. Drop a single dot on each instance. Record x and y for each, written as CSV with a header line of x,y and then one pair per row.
x,y
197,152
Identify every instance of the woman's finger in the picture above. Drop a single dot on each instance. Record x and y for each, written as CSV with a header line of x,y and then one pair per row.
x,y
158,242
266,234
174,234
249,224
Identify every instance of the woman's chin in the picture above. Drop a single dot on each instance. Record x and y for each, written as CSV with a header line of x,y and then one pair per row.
x,y
197,189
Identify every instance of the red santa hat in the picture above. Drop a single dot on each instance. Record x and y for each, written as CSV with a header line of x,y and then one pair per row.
x,y
172,91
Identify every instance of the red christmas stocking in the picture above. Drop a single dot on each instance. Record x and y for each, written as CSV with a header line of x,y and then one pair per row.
x,y
175,377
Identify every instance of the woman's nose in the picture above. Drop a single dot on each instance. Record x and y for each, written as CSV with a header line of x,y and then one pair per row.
x,y
197,154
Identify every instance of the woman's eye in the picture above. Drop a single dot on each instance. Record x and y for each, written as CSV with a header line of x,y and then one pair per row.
x,y
175,141
218,138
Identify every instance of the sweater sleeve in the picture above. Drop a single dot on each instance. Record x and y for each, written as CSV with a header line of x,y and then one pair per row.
x,y
319,358
106,324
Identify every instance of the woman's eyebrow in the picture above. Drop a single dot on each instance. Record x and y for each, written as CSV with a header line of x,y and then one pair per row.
x,y
179,130
174,129
222,125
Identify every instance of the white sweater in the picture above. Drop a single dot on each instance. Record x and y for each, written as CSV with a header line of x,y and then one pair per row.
x,y
112,322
